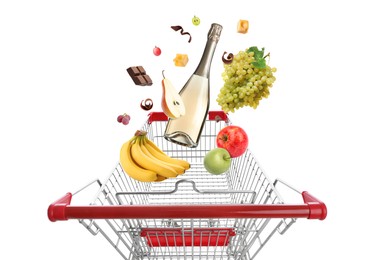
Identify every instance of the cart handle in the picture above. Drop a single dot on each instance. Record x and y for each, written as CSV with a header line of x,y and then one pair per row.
x,y
56,210
317,208
311,209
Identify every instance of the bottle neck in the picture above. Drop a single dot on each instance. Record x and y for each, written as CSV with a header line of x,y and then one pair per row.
x,y
203,68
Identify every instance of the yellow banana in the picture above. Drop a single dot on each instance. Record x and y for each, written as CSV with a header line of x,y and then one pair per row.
x,y
158,153
149,163
179,169
131,168
161,178
151,152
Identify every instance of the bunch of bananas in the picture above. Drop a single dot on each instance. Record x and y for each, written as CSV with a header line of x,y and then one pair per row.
x,y
144,161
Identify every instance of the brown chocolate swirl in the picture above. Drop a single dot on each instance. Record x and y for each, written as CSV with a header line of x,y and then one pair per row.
x,y
178,27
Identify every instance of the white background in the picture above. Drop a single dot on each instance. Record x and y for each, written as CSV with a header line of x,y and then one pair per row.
x,y
63,83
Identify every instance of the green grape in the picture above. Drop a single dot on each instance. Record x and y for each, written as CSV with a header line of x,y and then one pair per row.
x,y
244,84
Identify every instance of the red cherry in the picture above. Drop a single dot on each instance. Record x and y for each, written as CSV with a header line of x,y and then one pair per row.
x,y
157,51
120,118
125,120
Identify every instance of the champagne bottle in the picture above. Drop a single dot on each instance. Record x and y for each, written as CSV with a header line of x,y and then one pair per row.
x,y
186,130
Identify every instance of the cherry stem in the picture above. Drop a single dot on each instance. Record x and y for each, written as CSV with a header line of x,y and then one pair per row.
x,y
163,73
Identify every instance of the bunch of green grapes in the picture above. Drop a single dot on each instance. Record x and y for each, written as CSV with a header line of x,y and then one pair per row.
x,y
247,80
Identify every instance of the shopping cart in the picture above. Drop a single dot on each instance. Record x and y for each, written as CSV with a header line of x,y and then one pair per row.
x,y
194,216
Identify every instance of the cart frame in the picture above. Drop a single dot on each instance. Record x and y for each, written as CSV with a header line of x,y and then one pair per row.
x,y
186,229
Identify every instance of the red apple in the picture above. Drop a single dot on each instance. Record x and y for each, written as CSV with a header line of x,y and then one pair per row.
x,y
234,139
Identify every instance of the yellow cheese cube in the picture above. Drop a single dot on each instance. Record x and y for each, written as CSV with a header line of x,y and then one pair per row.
x,y
181,60
243,26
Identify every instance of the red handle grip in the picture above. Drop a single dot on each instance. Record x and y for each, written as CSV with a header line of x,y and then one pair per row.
x,y
312,209
317,207
57,210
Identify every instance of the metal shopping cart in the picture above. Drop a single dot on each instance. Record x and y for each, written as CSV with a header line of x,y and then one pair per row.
x,y
194,216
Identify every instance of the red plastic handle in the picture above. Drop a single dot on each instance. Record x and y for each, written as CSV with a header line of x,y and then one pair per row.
x,y
62,210
317,207
57,210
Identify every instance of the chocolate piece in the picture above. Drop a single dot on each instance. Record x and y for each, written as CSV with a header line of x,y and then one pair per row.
x,y
147,104
133,71
141,70
229,58
178,27
139,76
139,80
148,80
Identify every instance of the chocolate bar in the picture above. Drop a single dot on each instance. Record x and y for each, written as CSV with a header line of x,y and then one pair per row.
x,y
139,76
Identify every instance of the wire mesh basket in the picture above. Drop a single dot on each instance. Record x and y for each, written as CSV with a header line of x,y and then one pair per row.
x,y
194,216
